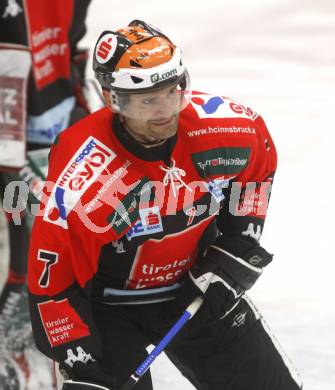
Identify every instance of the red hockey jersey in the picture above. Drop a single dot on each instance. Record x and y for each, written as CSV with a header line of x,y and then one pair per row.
x,y
116,220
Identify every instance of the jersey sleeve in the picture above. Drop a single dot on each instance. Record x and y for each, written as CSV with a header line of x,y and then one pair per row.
x,y
62,263
59,293
248,195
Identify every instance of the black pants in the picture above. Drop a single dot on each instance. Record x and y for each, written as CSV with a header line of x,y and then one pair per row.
x,y
235,353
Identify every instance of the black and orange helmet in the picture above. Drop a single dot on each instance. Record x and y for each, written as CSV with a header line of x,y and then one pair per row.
x,y
137,58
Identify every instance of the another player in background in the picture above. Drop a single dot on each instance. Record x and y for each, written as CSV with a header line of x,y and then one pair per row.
x,y
156,199
50,30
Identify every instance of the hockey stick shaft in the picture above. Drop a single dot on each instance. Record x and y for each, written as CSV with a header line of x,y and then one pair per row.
x,y
144,366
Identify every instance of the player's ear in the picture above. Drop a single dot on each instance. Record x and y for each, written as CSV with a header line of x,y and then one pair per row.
x,y
109,101
107,98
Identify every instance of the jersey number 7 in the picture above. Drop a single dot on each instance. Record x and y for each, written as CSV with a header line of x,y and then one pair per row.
x,y
50,259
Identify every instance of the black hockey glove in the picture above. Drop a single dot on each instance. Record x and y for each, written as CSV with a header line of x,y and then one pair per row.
x,y
89,373
230,267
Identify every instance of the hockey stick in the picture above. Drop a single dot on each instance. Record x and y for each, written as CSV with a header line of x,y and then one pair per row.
x,y
144,366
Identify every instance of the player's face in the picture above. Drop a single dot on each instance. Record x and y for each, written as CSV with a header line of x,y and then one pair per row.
x,y
152,118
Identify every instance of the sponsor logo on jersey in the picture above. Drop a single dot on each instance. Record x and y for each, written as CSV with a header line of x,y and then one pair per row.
x,y
127,212
254,231
150,222
221,130
151,274
119,246
243,111
112,179
106,48
82,170
253,200
209,106
81,356
61,322
221,161
12,9
161,261
216,186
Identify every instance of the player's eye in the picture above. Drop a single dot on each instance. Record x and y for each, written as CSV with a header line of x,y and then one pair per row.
x,y
148,101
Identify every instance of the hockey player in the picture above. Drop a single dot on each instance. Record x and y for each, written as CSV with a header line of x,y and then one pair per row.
x,y
152,201
49,33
